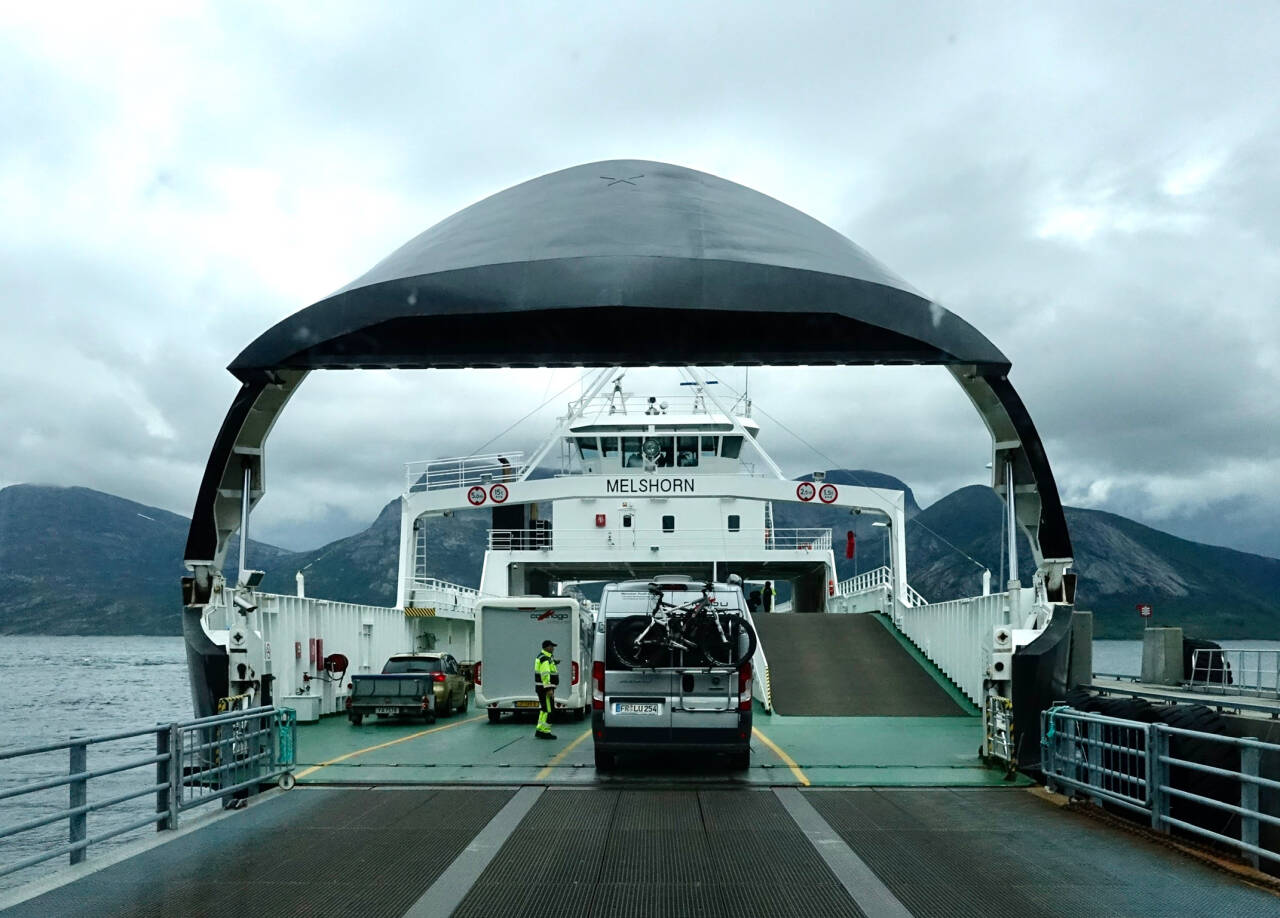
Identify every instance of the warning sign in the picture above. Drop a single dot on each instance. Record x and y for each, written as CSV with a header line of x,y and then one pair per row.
x,y
806,490
499,493
828,493
1144,609
476,496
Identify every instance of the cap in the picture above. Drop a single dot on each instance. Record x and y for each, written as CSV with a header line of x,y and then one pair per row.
x,y
546,644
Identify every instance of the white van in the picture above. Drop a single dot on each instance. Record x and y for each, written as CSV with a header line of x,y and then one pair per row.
x,y
509,636
686,705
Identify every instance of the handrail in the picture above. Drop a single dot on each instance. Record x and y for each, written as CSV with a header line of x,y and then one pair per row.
x,y
807,539
1236,671
1129,763
208,758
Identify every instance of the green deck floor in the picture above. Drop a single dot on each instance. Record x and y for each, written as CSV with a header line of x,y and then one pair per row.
x,y
826,752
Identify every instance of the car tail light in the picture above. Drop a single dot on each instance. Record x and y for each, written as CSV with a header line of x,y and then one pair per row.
x,y
437,677
744,687
597,674
426,702
576,675
475,672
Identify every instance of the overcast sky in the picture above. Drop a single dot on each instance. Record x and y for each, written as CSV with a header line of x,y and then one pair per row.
x,y
1096,187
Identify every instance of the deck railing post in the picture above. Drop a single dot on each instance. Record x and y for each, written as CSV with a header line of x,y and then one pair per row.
x,y
1159,751
164,776
79,795
1250,757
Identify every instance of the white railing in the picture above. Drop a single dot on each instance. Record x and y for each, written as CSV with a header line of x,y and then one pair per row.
x,y
461,471
1143,768
1242,671
627,404
448,599
609,539
874,579
955,635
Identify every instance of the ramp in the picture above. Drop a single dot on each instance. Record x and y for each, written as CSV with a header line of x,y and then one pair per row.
x,y
847,666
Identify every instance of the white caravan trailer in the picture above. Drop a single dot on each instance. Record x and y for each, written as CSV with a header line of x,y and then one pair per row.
x,y
509,636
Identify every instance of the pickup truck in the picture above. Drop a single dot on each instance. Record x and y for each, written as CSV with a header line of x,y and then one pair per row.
x,y
396,695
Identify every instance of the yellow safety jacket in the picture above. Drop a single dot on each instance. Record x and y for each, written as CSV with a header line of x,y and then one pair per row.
x,y
544,670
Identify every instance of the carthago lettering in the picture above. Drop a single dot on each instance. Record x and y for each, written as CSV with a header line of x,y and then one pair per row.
x,y
656,485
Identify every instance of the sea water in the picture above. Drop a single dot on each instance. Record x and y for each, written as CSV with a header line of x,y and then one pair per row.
x,y
54,688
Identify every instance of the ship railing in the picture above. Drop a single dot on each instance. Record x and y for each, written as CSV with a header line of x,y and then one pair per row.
x,y
462,471
875,579
953,635
442,596
608,539
195,762
1236,671
1147,770
637,406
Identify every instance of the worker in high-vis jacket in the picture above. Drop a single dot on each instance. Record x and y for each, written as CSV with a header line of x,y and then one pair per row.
x,y
545,680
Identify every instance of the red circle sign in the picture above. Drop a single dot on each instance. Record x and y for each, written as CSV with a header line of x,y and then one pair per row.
x,y
476,496
499,493
828,493
805,490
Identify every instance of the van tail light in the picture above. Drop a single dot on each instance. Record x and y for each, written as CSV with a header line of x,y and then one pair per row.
x,y
437,677
576,675
597,675
475,672
744,687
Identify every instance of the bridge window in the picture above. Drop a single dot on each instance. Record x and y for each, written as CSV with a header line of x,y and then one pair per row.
x,y
735,522
668,524
686,451
631,457
730,448
667,457
588,448
709,446
608,447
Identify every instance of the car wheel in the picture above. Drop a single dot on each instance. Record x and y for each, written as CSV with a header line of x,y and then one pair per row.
x,y
447,708
605,761
740,761
494,715
356,719
579,713
462,707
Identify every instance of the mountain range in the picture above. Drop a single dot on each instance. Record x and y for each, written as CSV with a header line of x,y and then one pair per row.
x,y
78,561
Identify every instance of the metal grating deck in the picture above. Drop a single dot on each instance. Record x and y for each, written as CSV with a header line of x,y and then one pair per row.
x,y
651,854
978,853
310,852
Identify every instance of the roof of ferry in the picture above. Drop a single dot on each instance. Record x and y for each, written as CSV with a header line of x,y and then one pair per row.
x,y
622,262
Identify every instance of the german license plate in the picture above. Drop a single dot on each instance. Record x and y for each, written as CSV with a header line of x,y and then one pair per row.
x,y
387,711
631,707
526,704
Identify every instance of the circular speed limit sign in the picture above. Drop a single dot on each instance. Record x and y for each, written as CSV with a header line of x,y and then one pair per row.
x,y
498,493
476,496
828,493
806,490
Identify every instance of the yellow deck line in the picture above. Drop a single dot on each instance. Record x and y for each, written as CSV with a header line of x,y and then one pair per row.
x,y
559,756
791,763
403,739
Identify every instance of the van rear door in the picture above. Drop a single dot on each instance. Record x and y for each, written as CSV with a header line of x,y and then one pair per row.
x,y
637,702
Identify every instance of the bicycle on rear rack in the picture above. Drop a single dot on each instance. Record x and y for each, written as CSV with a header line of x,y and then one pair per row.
x,y
646,641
